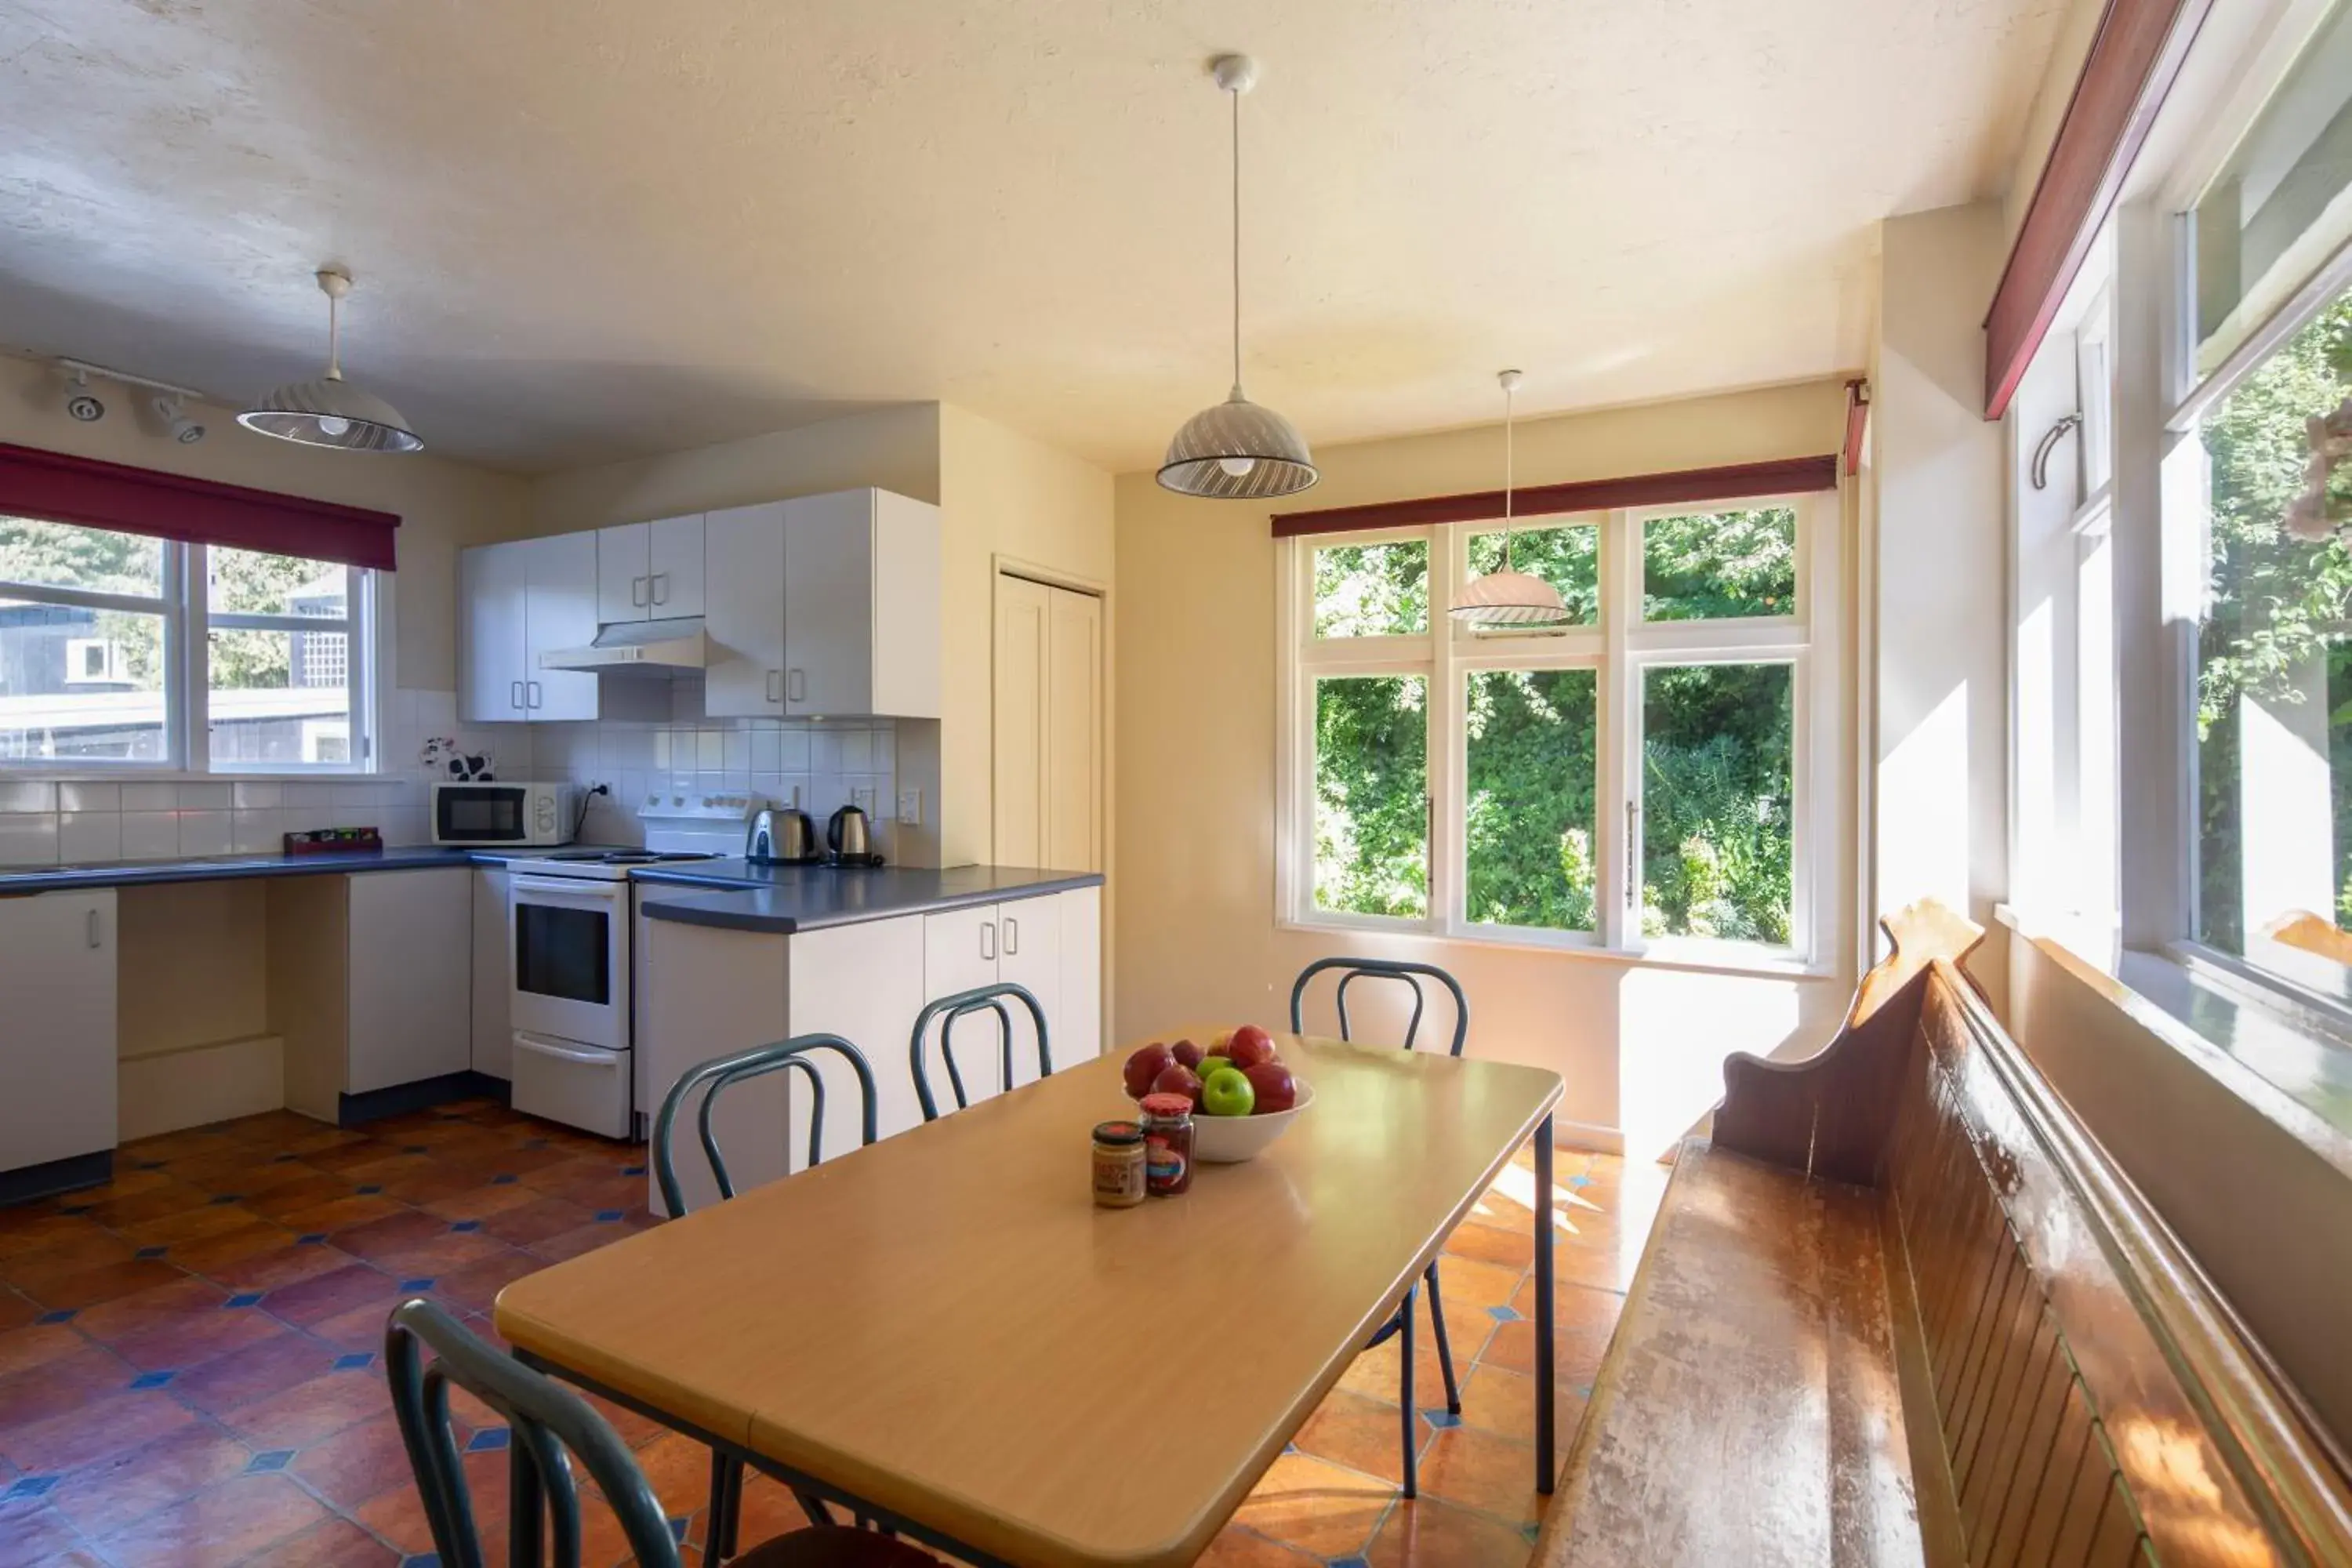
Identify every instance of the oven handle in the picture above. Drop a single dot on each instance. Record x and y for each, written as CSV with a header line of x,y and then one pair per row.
x,y
575,889
585,1058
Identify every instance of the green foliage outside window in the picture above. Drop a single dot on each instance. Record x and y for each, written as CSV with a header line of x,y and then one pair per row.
x,y
1719,564
1372,590
2276,602
1532,765
1717,850
1372,792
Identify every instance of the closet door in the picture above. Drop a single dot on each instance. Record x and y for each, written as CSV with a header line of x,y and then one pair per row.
x,y
1072,773
1022,615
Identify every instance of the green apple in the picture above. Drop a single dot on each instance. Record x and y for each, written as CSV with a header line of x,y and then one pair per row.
x,y
1228,1092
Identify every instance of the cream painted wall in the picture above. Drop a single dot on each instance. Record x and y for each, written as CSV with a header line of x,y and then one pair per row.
x,y
2060,71
1941,667
1005,499
1639,1045
442,505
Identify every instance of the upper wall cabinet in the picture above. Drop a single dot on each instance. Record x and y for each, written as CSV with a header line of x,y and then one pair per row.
x,y
516,601
825,607
650,571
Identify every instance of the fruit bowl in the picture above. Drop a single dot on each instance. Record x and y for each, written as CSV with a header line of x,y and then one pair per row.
x,y
1230,1140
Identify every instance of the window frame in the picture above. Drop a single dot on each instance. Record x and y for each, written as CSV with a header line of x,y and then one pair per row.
x,y
1620,649
184,607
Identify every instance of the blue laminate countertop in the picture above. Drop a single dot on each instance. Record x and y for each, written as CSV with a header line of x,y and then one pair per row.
x,y
212,868
787,898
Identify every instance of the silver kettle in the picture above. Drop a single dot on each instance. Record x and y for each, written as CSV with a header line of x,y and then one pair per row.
x,y
780,839
849,838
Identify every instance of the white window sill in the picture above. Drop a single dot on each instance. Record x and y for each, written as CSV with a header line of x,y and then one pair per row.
x,y
1691,954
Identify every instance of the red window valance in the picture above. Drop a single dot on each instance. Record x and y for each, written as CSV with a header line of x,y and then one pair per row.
x,y
57,488
1734,481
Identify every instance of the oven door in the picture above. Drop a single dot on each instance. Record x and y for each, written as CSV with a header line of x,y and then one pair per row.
x,y
481,813
569,937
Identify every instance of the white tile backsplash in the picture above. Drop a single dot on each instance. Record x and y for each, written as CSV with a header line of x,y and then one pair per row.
x,y
84,836
150,796
206,833
206,798
150,835
29,839
20,797
82,797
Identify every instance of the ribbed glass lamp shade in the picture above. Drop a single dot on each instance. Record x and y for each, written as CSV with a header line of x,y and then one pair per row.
x,y
1238,451
331,411
1509,599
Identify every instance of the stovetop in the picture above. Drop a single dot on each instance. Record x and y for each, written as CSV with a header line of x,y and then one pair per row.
x,y
606,864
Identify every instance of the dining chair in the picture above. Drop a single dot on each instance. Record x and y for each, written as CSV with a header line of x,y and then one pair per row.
x,y
717,1075
1410,974
964,1005
545,1421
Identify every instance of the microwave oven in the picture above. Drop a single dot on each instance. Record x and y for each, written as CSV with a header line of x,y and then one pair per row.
x,y
505,815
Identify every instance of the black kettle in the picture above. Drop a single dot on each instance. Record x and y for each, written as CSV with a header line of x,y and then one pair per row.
x,y
849,838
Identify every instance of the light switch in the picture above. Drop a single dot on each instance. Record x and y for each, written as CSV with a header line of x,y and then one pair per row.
x,y
911,806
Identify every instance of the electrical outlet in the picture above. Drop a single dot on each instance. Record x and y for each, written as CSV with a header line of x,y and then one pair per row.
x,y
911,806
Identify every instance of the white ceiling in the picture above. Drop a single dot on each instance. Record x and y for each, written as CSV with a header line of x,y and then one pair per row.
x,y
585,229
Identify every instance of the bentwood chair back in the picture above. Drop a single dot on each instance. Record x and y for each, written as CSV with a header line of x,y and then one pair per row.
x,y
1413,976
964,1005
723,1073
1351,969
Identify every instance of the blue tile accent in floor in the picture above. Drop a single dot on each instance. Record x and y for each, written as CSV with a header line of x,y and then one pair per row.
x,y
488,1440
1503,1314
228,1197
283,1159
76,1208
466,1225
633,1170
62,1316
31,1486
677,1528
1440,1419
1580,1181
422,1560
504,1178
416,1284
151,1164
354,1361
367,1192
315,1238
151,1252
606,1217
275,1459
152,1379
1349,1561
412,1148
244,1298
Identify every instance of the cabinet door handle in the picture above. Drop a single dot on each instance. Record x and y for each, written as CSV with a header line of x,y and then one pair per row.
x,y
640,592
988,939
796,686
658,586
1012,936
770,686
93,927
514,695
530,688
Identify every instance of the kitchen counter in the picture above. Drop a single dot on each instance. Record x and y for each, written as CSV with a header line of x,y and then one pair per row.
x,y
787,898
138,873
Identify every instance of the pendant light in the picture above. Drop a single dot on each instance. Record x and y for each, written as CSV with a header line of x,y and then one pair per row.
x,y
329,411
1238,450
1509,598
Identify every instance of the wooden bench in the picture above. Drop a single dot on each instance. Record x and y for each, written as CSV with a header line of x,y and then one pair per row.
x,y
1901,1307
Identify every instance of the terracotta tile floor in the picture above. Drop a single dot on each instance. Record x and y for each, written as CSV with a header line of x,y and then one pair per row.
x,y
190,1368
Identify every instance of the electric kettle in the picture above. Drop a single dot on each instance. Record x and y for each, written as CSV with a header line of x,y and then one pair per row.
x,y
780,839
849,838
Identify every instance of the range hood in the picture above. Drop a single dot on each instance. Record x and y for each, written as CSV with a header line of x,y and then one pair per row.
x,y
652,647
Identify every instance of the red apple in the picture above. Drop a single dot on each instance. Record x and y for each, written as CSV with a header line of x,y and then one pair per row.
x,y
1178,1078
1186,1052
1251,1046
1146,1065
1277,1089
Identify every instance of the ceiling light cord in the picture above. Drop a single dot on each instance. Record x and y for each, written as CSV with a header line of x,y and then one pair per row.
x,y
1508,455
334,338
1236,97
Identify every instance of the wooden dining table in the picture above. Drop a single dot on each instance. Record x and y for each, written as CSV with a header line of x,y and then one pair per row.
x,y
943,1332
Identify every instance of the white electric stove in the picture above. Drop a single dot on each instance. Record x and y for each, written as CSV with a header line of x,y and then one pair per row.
x,y
569,923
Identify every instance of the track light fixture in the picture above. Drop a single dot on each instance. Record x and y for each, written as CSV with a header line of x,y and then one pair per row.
x,y
172,409
82,403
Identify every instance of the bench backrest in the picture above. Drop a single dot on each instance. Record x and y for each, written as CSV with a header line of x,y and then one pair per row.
x,y
2091,1397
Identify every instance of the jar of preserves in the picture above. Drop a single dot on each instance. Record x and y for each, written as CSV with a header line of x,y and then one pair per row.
x,y
1167,1145
1118,1164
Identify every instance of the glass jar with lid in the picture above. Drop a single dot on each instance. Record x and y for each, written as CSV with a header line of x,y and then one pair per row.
x,y
1167,1145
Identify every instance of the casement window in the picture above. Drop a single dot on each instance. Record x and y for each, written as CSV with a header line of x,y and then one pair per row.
x,y
1658,776
122,650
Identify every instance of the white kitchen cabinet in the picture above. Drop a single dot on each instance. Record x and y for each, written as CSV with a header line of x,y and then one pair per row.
x,y
715,993
650,571
960,954
1077,1027
824,606
517,601
411,968
493,595
1043,945
493,975
743,612
58,1049
864,982
1029,955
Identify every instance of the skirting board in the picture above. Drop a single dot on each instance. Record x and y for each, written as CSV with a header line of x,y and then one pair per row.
x,y
1588,1136
189,1088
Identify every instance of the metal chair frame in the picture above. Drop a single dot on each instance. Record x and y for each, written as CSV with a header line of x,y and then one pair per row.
x,y
1411,974
962,1004
720,1074
543,1420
